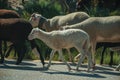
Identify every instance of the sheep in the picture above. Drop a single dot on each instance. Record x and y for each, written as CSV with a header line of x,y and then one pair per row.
x,y
57,40
56,22
16,31
100,29
4,13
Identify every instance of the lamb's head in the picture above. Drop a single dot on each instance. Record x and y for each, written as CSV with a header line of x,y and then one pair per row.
x,y
33,34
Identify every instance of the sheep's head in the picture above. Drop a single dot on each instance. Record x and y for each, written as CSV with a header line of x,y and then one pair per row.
x,y
33,34
34,19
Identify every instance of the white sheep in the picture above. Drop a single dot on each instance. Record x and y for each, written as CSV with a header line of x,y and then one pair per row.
x,y
57,22
100,29
57,40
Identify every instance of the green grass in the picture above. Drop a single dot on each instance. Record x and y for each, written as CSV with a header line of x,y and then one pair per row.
x,y
116,57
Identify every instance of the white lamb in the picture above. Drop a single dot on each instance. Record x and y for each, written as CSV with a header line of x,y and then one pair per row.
x,y
100,29
57,40
57,22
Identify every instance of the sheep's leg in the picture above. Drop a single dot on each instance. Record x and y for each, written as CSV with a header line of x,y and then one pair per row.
x,y
5,46
51,56
40,55
111,58
60,58
63,59
2,56
102,55
37,51
77,57
80,60
70,56
90,63
93,52
8,51
117,68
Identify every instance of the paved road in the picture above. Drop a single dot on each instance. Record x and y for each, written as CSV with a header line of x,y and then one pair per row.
x,y
32,70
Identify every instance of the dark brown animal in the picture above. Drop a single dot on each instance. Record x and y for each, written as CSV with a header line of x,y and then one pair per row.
x,y
16,31
4,14
8,14
13,14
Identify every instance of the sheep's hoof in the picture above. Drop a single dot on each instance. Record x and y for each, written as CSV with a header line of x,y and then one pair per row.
x,y
78,70
116,69
69,69
93,67
89,70
45,68
17,63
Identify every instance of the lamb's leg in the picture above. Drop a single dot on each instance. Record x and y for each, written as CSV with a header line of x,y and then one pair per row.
x,y
51,56
90,63
80,60
63,59
70,56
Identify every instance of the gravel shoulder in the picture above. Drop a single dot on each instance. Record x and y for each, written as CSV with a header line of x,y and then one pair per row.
x,y
32,70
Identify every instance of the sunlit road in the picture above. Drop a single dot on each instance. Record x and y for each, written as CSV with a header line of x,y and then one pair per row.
x,y
32,70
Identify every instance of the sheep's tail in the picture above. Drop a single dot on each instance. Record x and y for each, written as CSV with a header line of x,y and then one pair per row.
x,y
86,44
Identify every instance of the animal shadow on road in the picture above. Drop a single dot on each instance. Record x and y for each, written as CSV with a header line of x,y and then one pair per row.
x,y
55,69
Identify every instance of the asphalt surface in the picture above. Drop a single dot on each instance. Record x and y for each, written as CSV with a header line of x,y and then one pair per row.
x,y
32,70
